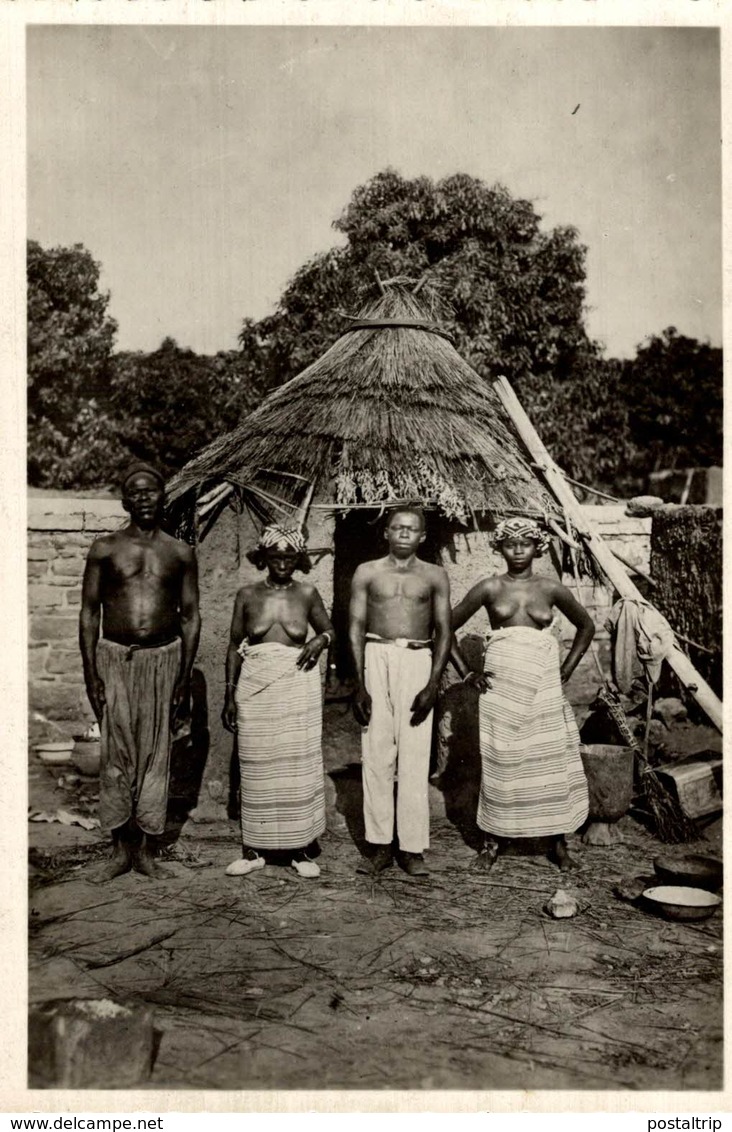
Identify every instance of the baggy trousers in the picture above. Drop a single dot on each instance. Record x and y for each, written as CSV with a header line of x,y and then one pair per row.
x,y
136,741
391,746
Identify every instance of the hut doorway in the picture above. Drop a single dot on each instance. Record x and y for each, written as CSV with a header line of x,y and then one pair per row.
x,y
359,537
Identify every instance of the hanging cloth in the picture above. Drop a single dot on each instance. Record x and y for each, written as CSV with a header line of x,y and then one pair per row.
x,y
642,638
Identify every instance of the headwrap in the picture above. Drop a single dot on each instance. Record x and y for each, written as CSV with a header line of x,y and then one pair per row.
x,y
520,528
137,468
284,538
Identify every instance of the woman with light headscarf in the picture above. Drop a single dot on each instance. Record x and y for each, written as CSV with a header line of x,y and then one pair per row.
x,y
274,703
532,780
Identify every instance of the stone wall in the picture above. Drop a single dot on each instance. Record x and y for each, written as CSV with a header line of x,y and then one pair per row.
x,y
60,531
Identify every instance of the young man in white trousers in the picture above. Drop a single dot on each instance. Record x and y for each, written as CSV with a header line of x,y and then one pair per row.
x,y
400,635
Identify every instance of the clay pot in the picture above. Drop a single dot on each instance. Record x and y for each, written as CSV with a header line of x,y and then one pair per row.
x,y
609,771
87,756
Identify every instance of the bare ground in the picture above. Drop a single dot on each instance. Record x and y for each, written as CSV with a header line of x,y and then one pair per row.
x,y
458,982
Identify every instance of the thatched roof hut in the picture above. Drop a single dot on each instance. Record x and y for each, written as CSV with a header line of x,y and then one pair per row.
x,y
390,412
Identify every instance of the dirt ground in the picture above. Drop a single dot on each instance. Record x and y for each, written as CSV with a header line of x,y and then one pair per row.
x,y
457,982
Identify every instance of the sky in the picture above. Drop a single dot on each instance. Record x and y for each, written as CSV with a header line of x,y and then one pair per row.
x,y
201,166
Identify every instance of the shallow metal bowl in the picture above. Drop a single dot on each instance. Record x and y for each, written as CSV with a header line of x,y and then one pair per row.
x,y
676,902
55,754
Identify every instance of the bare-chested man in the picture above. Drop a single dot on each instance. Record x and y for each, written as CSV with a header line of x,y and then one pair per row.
x,y
142,585
399,631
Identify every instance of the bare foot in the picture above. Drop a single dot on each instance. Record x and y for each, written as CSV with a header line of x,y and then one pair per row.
x,y
560,856
119,863
486,858
146,864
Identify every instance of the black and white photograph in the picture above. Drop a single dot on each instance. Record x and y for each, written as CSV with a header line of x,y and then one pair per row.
x,y
374,554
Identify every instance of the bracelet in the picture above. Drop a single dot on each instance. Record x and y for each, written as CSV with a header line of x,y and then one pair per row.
x,y
329,635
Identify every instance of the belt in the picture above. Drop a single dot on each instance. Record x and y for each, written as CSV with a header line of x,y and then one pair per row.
x,y
140,646
400,642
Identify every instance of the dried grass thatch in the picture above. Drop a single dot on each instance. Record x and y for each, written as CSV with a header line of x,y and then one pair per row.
x,y
387,413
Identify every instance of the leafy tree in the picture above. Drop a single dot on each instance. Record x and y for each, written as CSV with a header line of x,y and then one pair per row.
x,y
673,390
516,292
89,410
516,300
70,340
170,403
515,296
583,420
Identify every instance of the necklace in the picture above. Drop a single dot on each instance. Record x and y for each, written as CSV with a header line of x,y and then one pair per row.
x,y
274,586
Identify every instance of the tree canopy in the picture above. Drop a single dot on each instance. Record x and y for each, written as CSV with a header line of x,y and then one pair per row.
x,y
515,294
70,341
513,298
673,389
91,410
511,294
170,403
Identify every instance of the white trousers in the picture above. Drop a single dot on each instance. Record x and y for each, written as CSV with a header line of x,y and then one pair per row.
x,y
390,745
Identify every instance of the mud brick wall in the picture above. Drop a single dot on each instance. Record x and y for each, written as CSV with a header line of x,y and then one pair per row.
x,y
60,531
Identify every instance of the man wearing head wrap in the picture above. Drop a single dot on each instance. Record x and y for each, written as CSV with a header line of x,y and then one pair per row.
x,y
140,588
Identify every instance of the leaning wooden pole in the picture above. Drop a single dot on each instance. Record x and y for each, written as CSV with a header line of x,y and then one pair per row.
x,y
614,571
302,513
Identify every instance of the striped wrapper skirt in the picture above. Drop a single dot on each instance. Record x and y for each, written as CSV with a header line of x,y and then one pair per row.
x,y
279,724
532,779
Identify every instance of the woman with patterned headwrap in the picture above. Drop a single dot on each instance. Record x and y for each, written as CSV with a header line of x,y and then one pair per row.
x,y
274,703
532,779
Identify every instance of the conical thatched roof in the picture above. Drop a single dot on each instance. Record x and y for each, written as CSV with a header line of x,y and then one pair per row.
x,y
387,413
